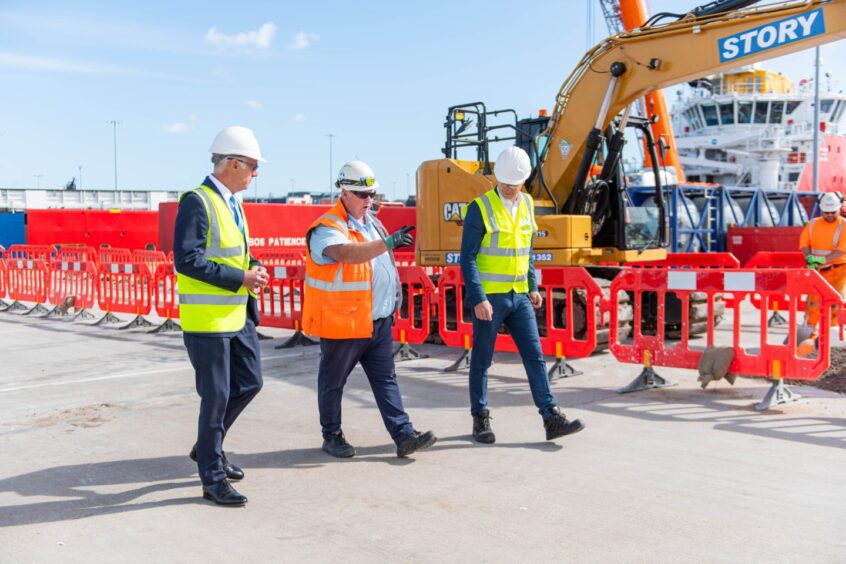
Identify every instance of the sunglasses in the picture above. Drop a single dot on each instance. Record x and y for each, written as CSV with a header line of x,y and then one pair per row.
x,y
362,195
363,181
253,167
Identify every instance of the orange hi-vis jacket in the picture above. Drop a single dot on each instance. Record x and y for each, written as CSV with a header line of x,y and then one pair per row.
x,y
338,301
824,237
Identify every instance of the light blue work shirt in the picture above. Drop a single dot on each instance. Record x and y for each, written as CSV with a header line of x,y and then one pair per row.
x,y
385,276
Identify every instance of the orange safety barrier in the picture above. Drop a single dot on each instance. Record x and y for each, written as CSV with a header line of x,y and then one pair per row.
x,y
3,283
125,287
151,258
412,323
27,281
766,359
404,258
76,253
108,256
45,253
691,260
72,279
2,252
166,297
279,256
776,259
281,302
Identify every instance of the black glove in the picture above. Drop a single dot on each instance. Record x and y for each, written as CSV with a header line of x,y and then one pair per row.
x,y
400,238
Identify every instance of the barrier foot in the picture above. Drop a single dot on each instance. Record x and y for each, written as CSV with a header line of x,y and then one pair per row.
x,y
4,304
647,380
139,321
168,325
15,306
462,362
108,318
405,352
298,338
776,319
263,337
562,369
38,309
777,395
83,315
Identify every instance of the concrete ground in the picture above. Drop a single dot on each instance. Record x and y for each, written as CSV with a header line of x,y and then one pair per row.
x,y
96,424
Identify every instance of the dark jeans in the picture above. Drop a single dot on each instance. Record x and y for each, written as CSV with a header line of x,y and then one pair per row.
x,y
337,359
515,310
228,376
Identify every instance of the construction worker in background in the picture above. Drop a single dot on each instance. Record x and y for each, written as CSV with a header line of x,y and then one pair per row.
x,y
824,245
218,280
501,287
352,290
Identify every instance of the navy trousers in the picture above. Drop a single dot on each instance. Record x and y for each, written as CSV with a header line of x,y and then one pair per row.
x,y
515,310
337,359
228,376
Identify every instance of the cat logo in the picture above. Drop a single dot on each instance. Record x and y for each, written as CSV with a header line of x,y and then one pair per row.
x,y
452,212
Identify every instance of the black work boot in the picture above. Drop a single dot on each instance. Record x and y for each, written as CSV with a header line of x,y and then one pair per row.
x,y
337,446
557,425
415,442
482,431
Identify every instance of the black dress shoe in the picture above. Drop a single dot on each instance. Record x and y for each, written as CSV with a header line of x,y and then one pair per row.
x,y
233,472
222,493
337,446
416,442
557,425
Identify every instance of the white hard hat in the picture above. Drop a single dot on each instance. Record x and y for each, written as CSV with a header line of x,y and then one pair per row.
x,y
237,140
830,202
357,176
512,166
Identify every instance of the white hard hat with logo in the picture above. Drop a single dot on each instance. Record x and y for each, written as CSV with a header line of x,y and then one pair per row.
x,y
357,176
512,166
237,140
830,202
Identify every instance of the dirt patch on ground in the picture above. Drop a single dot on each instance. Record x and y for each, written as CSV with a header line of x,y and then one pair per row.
x,y
834,379
81,417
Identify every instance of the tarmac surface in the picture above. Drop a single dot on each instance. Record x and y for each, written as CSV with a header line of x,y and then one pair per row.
x,y
96,424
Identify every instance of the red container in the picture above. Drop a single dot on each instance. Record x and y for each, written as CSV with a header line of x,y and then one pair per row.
x,y
743,242
117,228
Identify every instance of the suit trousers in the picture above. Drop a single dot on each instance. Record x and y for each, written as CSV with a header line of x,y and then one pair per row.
x,y
228,376
337,359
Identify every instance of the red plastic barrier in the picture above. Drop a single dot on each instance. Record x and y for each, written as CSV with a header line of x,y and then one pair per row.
x,y
27,280
765,359
404,258
76,253
4,279
2,252
776,259
412,325
151,258
73,278
108,256
279,256
281,302
45,253
692,260
125,287
165,293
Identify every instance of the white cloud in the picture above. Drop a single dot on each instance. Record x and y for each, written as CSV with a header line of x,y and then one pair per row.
x,y
260,39
303,40
50,64
177,128
299,117
254,104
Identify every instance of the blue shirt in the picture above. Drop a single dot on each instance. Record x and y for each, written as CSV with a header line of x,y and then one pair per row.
x,y
385,277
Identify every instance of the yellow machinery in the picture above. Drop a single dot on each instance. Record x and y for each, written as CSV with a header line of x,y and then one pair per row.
x,y
584,213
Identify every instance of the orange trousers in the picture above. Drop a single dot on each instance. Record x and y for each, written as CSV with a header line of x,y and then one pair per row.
x,y
837,278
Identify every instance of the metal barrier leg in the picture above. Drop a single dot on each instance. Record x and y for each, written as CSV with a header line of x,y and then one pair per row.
x,y
4,304
776,319
15,306
108,318
84,315
298,338
462,362
777,395
168,325
562,369
405,352
647,379
38,309
139,321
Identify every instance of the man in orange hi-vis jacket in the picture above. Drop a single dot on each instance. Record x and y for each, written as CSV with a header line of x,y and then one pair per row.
x,y
824,245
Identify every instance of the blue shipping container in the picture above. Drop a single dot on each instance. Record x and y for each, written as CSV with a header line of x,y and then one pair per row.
x,y
12,229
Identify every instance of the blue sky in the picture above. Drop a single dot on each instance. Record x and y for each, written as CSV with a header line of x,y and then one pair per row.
x,y
377,75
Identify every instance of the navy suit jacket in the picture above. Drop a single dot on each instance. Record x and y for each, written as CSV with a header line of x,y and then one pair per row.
x,y
189,247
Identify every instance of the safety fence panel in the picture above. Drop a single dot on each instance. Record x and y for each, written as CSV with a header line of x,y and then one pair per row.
x,y
692,260
125,287
73,278
27,280
573,309
165,291
413,322
766,356
76,253
278,256
281,301
780,260
404,258
151,258
4,279
44,253
2,252
108,256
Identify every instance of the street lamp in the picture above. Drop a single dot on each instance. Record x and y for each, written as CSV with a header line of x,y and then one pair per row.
x,y
331,184
115,123
38,181
80,176
394,190
407,185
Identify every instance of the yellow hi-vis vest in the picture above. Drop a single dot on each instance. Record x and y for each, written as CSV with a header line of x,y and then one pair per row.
x,y
203,307
503,258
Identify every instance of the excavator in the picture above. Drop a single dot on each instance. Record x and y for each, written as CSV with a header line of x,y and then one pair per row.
x,y
584,213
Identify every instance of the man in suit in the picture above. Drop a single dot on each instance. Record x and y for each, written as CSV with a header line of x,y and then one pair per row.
x,y
218,280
